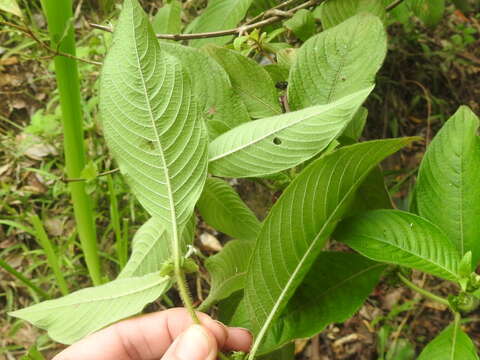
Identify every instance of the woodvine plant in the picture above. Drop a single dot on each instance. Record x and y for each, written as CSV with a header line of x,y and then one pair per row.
x,y
178,119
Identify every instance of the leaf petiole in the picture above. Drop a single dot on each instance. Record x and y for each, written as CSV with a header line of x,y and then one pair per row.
x,y
423,291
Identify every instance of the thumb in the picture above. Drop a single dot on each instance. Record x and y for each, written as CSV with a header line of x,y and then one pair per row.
x,y
196,343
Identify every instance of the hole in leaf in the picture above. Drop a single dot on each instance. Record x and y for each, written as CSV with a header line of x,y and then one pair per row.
x,y
277,141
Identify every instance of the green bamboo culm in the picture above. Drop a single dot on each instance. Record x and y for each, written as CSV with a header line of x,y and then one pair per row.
x,y
60,17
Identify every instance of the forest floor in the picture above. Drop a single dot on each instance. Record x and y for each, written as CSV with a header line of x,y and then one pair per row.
x,y
427,75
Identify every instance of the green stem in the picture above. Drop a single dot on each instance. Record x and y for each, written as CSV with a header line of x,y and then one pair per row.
x,y
52,258
23,279
120,245
423,292
185,294
59,16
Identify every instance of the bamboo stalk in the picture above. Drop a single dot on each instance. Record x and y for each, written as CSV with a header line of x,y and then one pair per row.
x,y
59,16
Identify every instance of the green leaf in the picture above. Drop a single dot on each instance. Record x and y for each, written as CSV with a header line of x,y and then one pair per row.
x,y
337,62
334,12
152,123
333,290
451,344
168,18
249,80
227,270
151,247
302,24
10,6
222,208
429,11
219,15
70,318
287,352
269,145
300,223
447,190
222,107
355,127
401,238
278,73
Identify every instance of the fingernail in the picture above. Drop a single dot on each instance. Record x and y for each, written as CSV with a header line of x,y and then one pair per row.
x,y
246,330
194,344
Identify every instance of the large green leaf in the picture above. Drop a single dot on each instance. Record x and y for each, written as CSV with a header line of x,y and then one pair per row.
x,y
151,247
337,62
152,123
333,12
429,11
285,353
269,145
302,24
222,208
451,344
300,223
10,6
227,270
333,290
249,80
219,15
168,18
398,237
222,107
448,191
70,318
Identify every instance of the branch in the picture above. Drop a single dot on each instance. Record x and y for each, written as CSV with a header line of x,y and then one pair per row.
x,y
235,31
55,52
393,5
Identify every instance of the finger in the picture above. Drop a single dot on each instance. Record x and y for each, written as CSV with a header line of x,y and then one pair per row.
x,y
238,339
196,343
146,337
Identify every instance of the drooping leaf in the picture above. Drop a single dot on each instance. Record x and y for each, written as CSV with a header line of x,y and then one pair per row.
x,y
333,290
355,127
337,62
219,15
227,270
168,18
222,208
269,145
10,6
222,107
334,12
447,191
152,123
249,80
151,247
302,24
451,344
70,318
401,238
299,224
429,11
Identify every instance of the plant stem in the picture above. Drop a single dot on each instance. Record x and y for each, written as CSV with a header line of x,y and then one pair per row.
x,y
185,294
393,5
423,292
23,279
120,245
52,257
59,15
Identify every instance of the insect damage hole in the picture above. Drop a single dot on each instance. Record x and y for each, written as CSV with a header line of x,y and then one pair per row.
x,y
277,141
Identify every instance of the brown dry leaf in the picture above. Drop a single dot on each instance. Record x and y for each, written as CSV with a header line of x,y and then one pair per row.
x,y
39,151
54,226
12,60
210,242
4,168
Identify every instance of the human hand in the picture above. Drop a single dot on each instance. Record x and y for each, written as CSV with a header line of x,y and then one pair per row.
x,y
165,335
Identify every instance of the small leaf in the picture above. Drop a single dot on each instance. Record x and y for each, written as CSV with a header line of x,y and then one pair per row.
x,y
333,290
249,80
447,190
401,238
302,24
337,62
168,18
270,145
429,11
219,15
227,270
89,172
222,208
451,344
305,215
10,6
222,108
70,318
334,12
151,247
